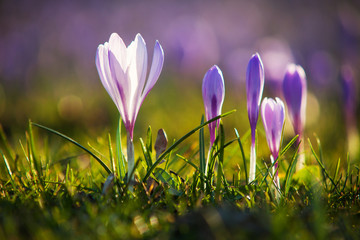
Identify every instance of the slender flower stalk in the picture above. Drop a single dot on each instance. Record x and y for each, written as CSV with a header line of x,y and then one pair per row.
x,y
295,93
254,90
273,117
213,91
123,71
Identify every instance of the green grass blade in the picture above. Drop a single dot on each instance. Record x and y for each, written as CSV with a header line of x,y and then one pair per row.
x,y
164,177
188,162
347,172
162,156
33,154
75,143
8,168
111,155
225,146
146,154
202,148
290,171
242,154
149,141
322,166
292,141
337,169
8,150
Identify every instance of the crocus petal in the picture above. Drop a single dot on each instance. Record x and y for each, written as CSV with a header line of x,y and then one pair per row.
x,y
136,72
254,88
102,64
156,67
121,86
118,48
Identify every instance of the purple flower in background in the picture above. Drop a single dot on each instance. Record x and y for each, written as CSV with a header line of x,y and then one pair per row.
x,y
213,91
123,71
295,92
273,116
254,89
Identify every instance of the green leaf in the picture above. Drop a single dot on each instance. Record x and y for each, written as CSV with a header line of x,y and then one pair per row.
x,y
111,155
202,148
163,176
242,154
146,154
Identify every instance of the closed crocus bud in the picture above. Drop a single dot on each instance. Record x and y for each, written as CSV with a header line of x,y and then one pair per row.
x,y
254,89
295,92
273,116
213,91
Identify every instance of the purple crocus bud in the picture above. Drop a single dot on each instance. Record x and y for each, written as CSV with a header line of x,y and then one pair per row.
x,y
213,91
273,117
123,71
254,89
295,92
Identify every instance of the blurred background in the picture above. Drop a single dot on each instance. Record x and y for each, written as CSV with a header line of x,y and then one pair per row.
x,y
48,73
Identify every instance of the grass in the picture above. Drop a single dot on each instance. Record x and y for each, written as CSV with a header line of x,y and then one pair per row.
x,y
54,187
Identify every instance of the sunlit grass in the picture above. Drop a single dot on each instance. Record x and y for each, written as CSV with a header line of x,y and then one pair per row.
x,y
55,187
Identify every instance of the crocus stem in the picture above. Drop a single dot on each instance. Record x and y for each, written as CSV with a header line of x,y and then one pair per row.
x,y
207,160
301,153
252,159
130,158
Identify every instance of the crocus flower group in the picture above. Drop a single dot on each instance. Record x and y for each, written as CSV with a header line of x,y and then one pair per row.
x,y
123,71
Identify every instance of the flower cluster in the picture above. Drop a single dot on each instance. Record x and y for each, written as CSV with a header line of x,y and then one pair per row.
x,y
123,71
